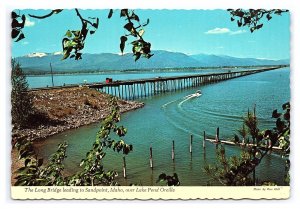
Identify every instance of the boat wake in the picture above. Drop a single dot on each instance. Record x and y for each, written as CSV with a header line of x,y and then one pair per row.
x,y
188,97
168,103
183,101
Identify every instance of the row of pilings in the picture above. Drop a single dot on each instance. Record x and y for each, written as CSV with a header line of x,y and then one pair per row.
x,y
140,88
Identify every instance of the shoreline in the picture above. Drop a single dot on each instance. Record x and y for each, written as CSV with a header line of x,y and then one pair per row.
x,y
134,71
67,109
70,109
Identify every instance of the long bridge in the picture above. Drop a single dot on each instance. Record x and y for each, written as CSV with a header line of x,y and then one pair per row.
x,y
139,88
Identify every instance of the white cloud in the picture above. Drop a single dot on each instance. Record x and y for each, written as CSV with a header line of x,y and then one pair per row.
x,y
237,32
29,23
218,31
57,53
37,54
262,58
224,31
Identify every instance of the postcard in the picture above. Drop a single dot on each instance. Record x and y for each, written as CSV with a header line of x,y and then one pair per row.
x,y
150,104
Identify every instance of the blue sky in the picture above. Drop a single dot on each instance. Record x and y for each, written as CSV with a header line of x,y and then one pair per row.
x,y
187,31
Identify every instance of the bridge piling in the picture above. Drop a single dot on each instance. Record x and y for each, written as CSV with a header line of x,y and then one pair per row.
x,y
132,89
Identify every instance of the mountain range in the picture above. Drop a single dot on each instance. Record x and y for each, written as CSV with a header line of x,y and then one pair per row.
x,y
40,62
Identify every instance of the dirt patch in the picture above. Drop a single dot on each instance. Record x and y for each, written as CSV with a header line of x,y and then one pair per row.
x,y
62,109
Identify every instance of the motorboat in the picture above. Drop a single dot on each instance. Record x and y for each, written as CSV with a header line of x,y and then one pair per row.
x,y
196,94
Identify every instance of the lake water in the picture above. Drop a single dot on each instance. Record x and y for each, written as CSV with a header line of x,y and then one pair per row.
x,y
171,116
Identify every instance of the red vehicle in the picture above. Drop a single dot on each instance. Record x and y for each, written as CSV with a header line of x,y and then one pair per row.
x,y
108,80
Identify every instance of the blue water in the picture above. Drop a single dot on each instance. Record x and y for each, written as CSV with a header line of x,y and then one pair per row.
x,y
171,116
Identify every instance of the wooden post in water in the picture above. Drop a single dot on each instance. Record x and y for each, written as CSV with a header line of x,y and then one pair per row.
x,y
119,92
51,74
115,88
217,139
191,142
145,94
124,168
133,91
151,158
173,150
218,136
204,138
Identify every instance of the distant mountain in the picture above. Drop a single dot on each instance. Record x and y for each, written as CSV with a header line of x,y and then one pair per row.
x,y
223,60
40,62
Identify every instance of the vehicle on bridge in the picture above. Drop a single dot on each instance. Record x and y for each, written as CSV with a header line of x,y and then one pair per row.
x,y
108,80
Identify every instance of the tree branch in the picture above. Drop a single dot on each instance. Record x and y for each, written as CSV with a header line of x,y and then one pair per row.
x,y
56,11
81,18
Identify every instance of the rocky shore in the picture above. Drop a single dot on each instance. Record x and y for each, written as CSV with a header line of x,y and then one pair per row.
x,y
63,109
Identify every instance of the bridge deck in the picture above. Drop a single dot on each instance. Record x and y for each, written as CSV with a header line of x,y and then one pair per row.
x,y
135,88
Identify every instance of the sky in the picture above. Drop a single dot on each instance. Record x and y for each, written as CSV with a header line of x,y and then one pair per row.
x,y
186,31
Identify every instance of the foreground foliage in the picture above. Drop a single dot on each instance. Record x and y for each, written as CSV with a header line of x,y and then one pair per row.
x,y
252,18
169,180
74,40
256,144
37,173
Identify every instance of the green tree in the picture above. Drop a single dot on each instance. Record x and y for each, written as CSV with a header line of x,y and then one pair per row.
x,y
236,170
21,100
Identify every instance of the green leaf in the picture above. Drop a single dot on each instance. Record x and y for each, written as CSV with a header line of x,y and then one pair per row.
x,y
148,21
71,44
40,162
66,55
76,32
123,12
286,106
21,36
27,161
286,116
15,33
122,44
23,21
135,17
137,56
280,124
110,13
68,34
78,56
239,23
141,32
236,139
96,24
14,15
129,26
15,23
259,26
161,177
275,114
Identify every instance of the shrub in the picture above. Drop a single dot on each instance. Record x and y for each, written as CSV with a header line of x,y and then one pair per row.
x,y
21,100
